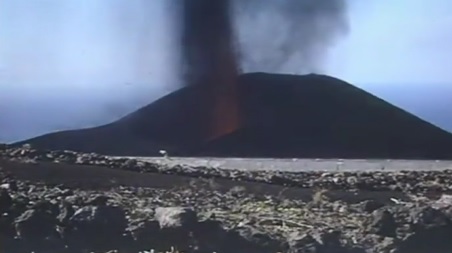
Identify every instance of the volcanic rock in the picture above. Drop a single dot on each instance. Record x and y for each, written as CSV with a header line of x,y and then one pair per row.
x,y
301,243
5,201
250,239
35,224
431,228
176,222
98,226
146,234
282,116
198,218
383,223
370,206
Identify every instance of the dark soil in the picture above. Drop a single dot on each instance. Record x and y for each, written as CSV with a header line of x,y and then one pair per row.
x,y
62,201
310,116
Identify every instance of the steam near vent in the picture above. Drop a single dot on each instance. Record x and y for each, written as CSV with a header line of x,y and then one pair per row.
x,y
290,36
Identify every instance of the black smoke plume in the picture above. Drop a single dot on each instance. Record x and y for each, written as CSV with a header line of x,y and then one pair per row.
x,y
209,59
207,39
273,35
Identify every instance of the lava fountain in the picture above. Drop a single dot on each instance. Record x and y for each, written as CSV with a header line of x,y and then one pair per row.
x,y
210,60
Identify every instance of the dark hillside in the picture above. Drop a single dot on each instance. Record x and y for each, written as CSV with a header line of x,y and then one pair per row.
x,y
319,116
284,116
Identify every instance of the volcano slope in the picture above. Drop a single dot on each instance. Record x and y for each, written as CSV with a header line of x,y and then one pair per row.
x,y
313,116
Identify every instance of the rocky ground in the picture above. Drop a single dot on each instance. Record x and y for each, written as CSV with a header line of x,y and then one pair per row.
x,y
62,201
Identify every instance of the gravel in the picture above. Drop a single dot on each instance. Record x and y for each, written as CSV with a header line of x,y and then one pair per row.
x,y
40,215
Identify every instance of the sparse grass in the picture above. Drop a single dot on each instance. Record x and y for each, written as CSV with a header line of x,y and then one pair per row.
x,y
319,197
237,191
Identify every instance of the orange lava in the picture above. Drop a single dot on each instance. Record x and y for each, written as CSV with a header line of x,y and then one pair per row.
x,y
225,116
208,45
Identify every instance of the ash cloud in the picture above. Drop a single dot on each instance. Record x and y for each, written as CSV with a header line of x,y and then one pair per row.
x,y
290,36
206,39
209,59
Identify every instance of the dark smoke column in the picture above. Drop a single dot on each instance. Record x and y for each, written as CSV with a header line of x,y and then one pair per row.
x,y
209,60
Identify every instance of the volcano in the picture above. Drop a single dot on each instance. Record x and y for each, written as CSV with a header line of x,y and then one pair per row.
x,y
308,116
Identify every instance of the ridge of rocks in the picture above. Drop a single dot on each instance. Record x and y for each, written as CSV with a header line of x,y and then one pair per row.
x,y
38,216
425,181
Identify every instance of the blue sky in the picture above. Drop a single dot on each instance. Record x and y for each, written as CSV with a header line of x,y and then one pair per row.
x,y
397,41
85,62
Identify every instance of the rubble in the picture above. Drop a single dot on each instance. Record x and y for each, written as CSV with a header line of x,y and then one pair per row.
x,y
46,217
423,182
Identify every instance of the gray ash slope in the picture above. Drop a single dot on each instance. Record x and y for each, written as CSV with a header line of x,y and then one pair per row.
x,y
283,116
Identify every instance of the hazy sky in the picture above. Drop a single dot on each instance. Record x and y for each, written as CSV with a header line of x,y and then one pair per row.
x,y
397,41
84,62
